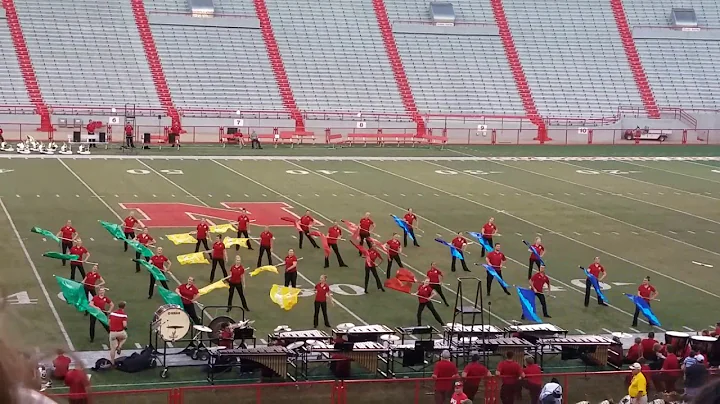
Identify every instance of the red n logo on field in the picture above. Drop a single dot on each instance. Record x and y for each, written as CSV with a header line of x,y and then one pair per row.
x,y
187,215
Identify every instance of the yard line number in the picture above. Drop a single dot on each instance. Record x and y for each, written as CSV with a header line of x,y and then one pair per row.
x,y
614,172
139,171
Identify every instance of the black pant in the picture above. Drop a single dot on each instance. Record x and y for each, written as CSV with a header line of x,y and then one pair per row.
x,y
588,286
392,258
265,250
152,286
215,262
241,293
412,233
438,289
129,142
255,142
430,307
90,290
636,315
531,262
462,261
337,255
543,303
79,267
490,279
364,236
92,328
128,235
303,234
190,310
204,243
66,246
320,306
489,241
137,264
291,279
372,270
244,234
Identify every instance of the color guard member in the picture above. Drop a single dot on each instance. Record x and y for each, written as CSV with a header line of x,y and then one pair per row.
x,y
162,263
435,275
200,234
488,231
322,295
237,282
366,226
305,223
371,255
410,219
102,302
118,335
495,259
83,255
333,235
537,284
533,259
242,229
459,242
147,240
219,256
596,270
647,292
425,292
189,294
266,242
67,235
394,251
129,228
291,263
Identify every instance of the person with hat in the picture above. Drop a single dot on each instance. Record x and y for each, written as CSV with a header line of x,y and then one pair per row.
x,y
638,385
696,375
551,392
459,397
444,374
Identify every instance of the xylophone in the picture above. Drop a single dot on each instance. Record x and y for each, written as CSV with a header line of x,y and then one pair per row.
x,y
363,333
503,345
274,358
289,337
593,347
534,332
460,330
366,354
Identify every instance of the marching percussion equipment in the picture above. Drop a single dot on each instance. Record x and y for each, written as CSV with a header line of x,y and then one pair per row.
x,y
703,344
592,348
281,328
288,337
202,328
345,326
274,358
364,333
241,330
295,345
621,335
502,345
171,322
389,340
677,339
310,343
533,332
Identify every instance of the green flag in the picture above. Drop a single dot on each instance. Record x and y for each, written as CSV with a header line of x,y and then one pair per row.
x,y
46,233
61,256
156,273
73,292
114,229
137,246
170,297
98,314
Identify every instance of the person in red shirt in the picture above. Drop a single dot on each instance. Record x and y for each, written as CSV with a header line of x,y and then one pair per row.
x,y
634,352
436,275
67,235
444,374
78,384
533,259
147,240
305,223
129,225
322,295
237,282
162,263
671,366
334,234
266,242
118,335
596,270
717,330
425,293
533,379
291,262
371,256
647,345
218,254
83,256
488,231
459,242
510,374
394,250
102,302
129,142
647,292
91,127
366,227
200,234
61,365
189,294
537,284
495,259
242,228
459,396
472,375
410,219
90,281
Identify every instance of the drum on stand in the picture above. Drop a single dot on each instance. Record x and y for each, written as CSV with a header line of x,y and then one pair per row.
x,y
171,322
677,339
703,344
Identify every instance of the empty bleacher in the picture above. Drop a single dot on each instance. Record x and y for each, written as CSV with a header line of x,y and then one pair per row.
x,y
657,12
173,6
573,57
87,52
12,86
234,7
466,11
334,55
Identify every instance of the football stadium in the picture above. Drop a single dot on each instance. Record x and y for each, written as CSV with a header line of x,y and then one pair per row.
x,y
368,201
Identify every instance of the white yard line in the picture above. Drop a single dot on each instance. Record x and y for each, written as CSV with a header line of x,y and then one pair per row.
x,y
580,331
689,329
672,172
37,277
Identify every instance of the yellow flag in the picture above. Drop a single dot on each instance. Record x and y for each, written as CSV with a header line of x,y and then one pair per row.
x,y
183,238
284,296
222,228
266,268
230,241
221,284
194,258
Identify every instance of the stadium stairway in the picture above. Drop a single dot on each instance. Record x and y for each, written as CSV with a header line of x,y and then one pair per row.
x,y
517,70
156,69
636,67
277,64
26,67
397,66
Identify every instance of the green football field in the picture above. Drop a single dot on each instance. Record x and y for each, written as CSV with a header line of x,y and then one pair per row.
x,y
642,216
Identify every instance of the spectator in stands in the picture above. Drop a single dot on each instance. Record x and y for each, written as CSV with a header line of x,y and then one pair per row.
x,y
671,369
444,374
551,392
533,379
129,143
696,375
254,140
634,352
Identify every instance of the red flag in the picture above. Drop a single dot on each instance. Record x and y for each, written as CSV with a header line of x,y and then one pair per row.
x,y
397,284
324,239
405,275
354,229
380,246
364,252
293,221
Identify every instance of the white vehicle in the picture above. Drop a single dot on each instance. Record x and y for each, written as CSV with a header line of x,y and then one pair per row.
x,y
647,134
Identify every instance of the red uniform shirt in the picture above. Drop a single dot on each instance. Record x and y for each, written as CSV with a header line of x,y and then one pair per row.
x,y
717,331
236,274
145,239
101,302
393,247
202,231
488,230
66,232
91,279
410,218
539,248
90,127
365,224
79,251
128,129
334,233
116,320
187,292
77,381
646,291
633,353
533,374
289,261
218,250
130,223
538,280
305,222
159,261
62,365
510,371
496,259
424,293
647,345
672,364
596,269
459,242
226,338
266,239
458,398
434,275
321,292
474,371
444,371
243,221
372,255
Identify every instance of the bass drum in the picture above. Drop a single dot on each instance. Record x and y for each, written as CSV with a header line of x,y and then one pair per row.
x,y
171,322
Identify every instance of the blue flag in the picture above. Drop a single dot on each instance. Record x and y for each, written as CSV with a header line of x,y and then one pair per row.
x,y
535,253
453,251
479,237
495,275
644,307
403,225
595,283
527,302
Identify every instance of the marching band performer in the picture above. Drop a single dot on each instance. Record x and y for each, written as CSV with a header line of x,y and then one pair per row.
x,y
291,263
219,256
410,219
435,275
102,302
305,222
200,234
394,250
424,293
90,281
83,255
647,292
322,295
242,229
189,294
118,335
488,231
333,235
147,240
129,227
237,282
266,242
366,226
67,234
533,259
371,255
162,263
596,270
459,243
537,284
495,259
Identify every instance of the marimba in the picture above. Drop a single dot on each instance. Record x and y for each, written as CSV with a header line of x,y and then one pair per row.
x,y
288,337
534,332
592,347
480,331
366,354
502,346
364,333
274,358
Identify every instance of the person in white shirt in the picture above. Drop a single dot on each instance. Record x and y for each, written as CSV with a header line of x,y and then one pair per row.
x,y
551,392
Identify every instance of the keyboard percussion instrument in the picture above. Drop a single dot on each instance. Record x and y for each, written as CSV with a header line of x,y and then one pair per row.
x,y
361,333
274,358
591,348
289,337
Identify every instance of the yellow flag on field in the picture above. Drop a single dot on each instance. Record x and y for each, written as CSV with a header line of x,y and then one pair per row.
x,y
222,228
221,284
284,296
194,258
230,241
266,268
183,238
